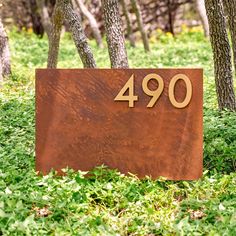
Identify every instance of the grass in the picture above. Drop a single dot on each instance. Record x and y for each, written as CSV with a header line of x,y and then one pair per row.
x,y
109,203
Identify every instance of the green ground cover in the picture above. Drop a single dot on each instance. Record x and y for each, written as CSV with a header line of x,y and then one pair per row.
x,y
109,203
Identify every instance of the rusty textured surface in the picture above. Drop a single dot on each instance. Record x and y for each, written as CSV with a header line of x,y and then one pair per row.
x,y
78,123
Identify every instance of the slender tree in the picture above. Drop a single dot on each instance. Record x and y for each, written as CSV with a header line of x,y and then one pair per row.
x,y
46,21
230,8
137,10
64,10
114,35
35,17
92,22
221,54
80,40
128,24
203,16
5,65
55,35
170,14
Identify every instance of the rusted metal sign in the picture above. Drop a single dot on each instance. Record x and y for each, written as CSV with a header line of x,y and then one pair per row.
x,y
143,121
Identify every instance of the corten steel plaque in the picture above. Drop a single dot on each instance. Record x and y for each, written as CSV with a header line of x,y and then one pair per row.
x,y
143,121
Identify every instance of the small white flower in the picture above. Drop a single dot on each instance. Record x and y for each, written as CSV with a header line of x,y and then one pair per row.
x,y
109,186
8,191
46,198
221,207
157,225
212,180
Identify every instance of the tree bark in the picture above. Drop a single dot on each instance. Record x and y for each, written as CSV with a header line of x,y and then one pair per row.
x,y
203,17
170,17
128,24
55,35
114,35
35,18
221,54
5,65
74,22
230,8
46,21
137,10
92,22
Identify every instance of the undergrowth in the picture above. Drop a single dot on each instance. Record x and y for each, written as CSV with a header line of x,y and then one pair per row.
x,y
107,202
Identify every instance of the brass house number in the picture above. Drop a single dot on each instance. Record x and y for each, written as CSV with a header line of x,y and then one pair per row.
x,y
155,94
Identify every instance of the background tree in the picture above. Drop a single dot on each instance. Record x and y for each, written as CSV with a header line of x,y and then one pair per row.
x,y
37,25
92,22
55,35
45,18
203,17
170,14
221,54
5,65
155,14
80,40
128,23
64,10
230,8
114,35
136,8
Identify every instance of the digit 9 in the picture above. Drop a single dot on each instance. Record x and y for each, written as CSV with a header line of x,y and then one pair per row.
x,y
155,94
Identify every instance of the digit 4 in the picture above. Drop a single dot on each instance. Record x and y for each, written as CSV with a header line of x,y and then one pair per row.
x,y
131,98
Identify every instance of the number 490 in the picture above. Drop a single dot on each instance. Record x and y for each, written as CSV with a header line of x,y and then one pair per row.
x,y
155,94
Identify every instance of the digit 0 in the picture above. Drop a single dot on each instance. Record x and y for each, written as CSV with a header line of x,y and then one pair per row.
x,y
188,91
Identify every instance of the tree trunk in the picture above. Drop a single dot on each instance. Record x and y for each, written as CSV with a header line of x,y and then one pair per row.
x,y
136,8
74,22
43,10
230,8
128,24
221,54
5,65
203,17
170,17
92,22
35,17
55,35
114,35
